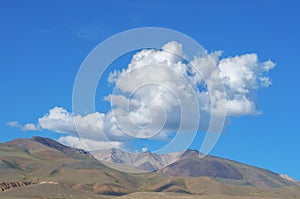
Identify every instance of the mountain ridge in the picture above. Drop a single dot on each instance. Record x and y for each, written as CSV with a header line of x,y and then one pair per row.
x,y
50,166
184,163
60,147
190,163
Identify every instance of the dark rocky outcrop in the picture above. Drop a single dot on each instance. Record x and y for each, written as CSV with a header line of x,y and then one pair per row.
x,y
8,185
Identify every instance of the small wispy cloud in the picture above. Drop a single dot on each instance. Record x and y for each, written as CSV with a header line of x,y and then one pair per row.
x,y
13,124
91,32
144,149
26,127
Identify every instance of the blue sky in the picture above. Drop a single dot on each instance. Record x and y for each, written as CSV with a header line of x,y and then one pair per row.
x,y
43,44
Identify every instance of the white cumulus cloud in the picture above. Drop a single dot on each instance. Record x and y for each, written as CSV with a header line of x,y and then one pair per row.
x,y
159,91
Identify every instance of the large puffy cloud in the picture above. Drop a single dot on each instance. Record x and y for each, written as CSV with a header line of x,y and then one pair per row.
x,y
164,79
158,92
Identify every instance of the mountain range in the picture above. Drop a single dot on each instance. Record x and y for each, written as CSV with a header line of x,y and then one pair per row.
x,y
189,163
146,161
43,168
